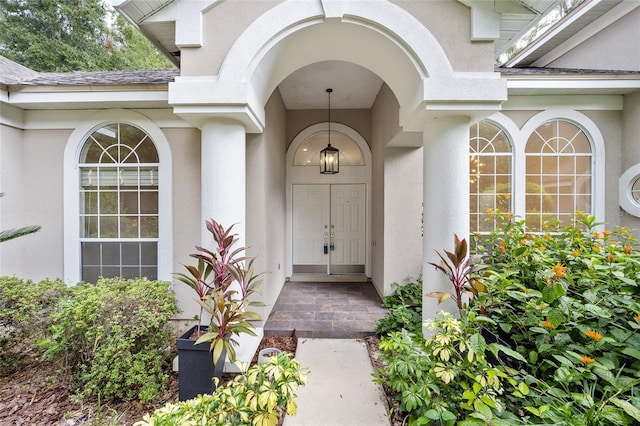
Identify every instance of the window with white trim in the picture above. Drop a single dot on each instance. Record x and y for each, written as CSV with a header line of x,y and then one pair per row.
x,y
559,159
490,179
119,204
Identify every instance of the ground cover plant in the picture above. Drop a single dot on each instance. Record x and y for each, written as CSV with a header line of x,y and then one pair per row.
x,y
556,317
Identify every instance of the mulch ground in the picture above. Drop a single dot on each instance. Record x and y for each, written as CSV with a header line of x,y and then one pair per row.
x,y
37,394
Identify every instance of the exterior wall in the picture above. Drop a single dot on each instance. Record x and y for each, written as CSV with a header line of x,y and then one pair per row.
x,y
225,21
185,153
221,26
599,52
266,202
631,148
450,22
396,200
32,180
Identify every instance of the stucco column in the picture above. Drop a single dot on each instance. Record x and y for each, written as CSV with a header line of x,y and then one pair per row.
x,y
446,200
223,176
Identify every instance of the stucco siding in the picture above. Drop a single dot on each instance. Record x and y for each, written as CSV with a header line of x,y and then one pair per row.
x,y
617,47
450,23
32,179
630,150
185,197
222,24
266,218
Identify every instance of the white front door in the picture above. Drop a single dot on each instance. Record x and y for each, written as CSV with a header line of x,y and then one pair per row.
x,y
329,228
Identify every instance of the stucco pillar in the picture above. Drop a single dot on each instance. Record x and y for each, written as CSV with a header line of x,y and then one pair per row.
x,y
446,200
223,176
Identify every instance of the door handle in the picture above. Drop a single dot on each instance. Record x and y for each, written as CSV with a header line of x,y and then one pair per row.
x,y
325,248
332,245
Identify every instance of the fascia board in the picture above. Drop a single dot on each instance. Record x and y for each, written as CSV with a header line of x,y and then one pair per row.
x,y
573,83
30,98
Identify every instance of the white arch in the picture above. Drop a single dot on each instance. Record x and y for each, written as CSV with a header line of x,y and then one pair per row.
x,y
375,34
597,145
71,188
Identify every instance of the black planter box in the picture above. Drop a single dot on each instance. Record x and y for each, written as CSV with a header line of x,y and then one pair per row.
x,y
195,366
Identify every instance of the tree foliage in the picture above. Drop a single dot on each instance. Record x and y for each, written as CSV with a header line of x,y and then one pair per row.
x,y
72,35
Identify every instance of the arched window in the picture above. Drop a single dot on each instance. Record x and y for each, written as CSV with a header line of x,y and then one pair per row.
x,y
490,178
559,164
308,153
118,214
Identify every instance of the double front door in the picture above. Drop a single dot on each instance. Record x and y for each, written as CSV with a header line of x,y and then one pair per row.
x,y
329,226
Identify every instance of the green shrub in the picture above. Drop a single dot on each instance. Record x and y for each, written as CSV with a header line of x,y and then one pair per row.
x,y
404,309
24,312
568,300
114,337
255,397
446,378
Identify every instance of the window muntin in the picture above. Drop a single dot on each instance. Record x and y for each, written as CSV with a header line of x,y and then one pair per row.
x,y
119,204
558,163
635,190
490,179
308,153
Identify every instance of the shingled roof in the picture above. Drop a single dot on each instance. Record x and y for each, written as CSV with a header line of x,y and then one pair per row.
x,y
12,73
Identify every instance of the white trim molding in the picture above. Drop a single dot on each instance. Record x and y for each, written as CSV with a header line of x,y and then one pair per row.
x,y
626,181
72,254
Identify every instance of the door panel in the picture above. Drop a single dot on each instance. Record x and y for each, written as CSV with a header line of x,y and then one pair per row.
x,y
333,215
310,215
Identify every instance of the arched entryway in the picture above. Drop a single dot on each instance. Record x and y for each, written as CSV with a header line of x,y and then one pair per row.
x,y
328,216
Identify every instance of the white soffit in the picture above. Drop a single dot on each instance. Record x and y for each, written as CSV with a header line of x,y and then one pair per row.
x,y
577,20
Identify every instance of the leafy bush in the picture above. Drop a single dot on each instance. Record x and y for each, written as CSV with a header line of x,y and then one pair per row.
x,y
254,397
24,313
564,304
569,302
447,378
114,337
404,309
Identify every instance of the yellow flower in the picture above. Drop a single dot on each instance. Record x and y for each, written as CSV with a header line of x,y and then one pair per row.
x,y
587,359
548,237
547,324
490,212
638,317
609,258
575,253
580,214
606,233
559,271
503,247
597,235
596,248
594,335
542,306
542,248
627,249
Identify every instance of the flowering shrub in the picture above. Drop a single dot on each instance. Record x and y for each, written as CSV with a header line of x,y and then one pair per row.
x,y
565,306
567,301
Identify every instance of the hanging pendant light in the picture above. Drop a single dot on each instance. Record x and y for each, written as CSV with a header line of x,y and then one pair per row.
x,y
330,156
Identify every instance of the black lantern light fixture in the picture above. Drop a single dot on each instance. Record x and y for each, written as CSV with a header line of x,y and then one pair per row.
x,y
330,156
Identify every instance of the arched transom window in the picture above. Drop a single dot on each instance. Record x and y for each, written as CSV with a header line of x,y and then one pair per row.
x,y
119,204
308,153
558,174
490,179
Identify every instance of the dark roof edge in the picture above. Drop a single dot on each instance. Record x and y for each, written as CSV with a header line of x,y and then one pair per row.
x,y
561,71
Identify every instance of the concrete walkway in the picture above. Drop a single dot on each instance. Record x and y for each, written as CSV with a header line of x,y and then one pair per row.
x,y
340,391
